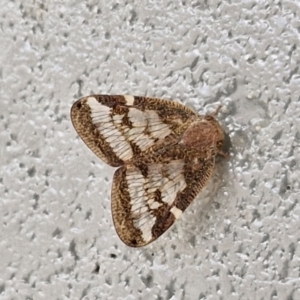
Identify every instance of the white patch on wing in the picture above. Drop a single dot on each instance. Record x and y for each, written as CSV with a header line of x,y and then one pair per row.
x,y
166,178
118,119
107,126
156,127
145,224
172,181
155,205
136,134
176,212
142,217
147,127
137,118
129,99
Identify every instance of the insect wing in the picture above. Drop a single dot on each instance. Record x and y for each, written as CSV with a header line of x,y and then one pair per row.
x,y
118,128
146,204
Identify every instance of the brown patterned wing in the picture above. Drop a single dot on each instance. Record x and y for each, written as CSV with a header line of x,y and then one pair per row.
x,y
118,128
147,200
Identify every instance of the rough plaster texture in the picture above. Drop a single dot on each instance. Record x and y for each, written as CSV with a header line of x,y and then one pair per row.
x,y
57,239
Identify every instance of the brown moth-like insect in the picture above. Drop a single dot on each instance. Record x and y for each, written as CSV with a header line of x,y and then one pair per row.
x,y
165,153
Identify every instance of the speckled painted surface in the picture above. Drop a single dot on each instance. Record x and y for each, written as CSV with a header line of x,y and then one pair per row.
x,y
240,239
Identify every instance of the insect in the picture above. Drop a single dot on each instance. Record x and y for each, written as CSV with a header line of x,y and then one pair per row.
x,y
165,153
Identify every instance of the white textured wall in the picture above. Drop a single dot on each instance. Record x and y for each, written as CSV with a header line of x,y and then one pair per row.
x,y
55,218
